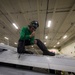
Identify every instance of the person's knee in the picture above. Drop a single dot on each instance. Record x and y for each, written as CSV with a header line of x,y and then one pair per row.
x,y
37,40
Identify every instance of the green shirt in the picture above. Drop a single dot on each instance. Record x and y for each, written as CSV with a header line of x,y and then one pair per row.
x,y
25,34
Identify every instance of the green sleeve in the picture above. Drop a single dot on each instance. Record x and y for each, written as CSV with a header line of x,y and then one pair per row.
x,y
32,40
22,34
27,36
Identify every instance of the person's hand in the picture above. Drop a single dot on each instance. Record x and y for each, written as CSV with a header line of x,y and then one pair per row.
x,y
33,34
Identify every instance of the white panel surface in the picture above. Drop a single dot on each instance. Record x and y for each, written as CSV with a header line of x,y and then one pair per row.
x,y
58,62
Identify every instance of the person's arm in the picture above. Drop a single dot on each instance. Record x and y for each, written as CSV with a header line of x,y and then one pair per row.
x,y
32,40
31,36
22,34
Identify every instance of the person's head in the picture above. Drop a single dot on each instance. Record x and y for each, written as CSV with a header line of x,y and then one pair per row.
x,y
33,25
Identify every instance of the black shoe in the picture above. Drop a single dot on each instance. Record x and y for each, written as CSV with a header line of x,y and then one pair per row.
x,y
2,50
49,53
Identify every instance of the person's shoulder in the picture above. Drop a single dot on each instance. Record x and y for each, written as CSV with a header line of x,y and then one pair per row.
x,y
25,27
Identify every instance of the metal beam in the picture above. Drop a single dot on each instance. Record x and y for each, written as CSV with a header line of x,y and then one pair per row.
x,y
71,10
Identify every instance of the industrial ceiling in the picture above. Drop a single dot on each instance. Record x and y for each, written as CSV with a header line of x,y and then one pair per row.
x,y
61,13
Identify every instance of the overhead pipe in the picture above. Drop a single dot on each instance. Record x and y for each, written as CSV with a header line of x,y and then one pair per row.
x,y
46,16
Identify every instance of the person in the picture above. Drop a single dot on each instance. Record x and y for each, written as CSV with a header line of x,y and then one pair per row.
x,y
27,37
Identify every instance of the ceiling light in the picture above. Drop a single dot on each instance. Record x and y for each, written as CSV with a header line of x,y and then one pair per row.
x,y
46,37
44,42
49,24
58,42
64,36
2,43
54,46
15,43
15,25
32,46
6,38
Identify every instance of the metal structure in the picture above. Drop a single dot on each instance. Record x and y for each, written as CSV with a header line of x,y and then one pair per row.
x,y
22,12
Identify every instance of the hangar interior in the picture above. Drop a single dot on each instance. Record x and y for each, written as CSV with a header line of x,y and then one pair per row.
x,y
56,30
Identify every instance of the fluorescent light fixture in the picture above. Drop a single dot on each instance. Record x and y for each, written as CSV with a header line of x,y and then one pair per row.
x,y
32,46
15,43
64,37
46,37
44,42
6,38
54,46
58,42
15,25
49,24
2,43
